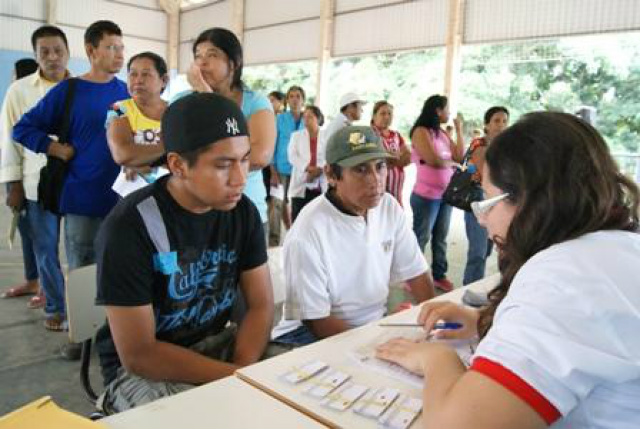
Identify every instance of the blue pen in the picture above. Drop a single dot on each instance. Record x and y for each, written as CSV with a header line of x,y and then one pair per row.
x,y
447,325
439,325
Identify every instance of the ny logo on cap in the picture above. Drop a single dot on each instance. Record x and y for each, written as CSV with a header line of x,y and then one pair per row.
x,y
232,126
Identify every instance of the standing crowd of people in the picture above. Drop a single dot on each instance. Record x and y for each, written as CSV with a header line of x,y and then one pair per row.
x,y
182,262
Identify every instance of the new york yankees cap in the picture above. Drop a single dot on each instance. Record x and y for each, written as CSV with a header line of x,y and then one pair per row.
x,y
199,119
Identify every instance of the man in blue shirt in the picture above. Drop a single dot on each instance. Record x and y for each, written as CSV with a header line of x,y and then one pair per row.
x,y
86,195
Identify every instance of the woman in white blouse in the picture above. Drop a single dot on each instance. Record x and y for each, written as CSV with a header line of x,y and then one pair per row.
x,y
306,154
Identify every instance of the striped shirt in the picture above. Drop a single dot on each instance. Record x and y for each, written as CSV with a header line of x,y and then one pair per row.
x,y
393,143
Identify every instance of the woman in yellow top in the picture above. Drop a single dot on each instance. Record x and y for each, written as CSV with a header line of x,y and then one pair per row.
x,y
133,125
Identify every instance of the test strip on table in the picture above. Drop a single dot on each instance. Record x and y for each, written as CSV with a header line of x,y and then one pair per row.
x,y
345,396
376,401
305,372
322,386
401,414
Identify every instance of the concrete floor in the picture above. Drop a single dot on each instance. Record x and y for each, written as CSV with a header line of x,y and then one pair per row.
x,y
30,365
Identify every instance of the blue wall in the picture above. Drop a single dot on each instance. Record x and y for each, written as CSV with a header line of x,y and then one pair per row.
x,y
8,58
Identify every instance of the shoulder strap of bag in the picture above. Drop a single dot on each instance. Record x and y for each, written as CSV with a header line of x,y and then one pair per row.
x,y
152,218
469,153
63,132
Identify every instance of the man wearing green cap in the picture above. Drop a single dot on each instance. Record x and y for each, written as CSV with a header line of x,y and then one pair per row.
x,y
173,258
348,246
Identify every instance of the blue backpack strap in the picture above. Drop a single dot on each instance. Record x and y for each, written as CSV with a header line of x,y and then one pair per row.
x,y
164,261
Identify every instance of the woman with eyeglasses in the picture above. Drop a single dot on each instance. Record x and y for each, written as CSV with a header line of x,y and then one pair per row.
x,y
559,343
496,119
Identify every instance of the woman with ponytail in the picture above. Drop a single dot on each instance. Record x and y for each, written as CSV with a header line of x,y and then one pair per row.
x,y
559,343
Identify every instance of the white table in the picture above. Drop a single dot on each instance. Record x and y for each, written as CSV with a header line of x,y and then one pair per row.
x,y
241,402
228,403
267,375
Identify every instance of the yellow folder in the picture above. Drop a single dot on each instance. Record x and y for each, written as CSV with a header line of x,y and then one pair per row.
x,y
43,413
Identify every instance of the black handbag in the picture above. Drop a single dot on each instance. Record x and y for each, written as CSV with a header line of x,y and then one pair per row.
x,y
53,174
462,190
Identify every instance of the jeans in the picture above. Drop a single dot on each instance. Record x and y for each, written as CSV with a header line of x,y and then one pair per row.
x,y
44,230
432,218
479,249
28,256
79,235
301,336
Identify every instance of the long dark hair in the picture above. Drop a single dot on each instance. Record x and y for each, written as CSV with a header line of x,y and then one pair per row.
x,y
429,116
564,182
228,43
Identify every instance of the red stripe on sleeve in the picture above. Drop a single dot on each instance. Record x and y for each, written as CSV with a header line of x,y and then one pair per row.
x,y
517,386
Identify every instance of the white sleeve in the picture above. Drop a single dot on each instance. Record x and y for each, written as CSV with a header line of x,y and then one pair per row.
x,y
408,261
561,340
293,151
321,149
12,152
306,280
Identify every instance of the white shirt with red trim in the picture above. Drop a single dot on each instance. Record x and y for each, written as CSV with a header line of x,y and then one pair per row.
x,y
566,338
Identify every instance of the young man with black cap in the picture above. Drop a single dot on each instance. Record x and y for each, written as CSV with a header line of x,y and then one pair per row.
x,y
173,257
348,246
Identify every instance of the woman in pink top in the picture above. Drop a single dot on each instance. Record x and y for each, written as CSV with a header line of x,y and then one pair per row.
x,y
435,155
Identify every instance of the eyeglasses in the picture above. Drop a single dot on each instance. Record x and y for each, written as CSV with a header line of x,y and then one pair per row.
x,y
481,208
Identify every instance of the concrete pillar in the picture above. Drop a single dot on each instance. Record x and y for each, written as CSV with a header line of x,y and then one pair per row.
x,y
327,16
51,7
237,19
172,9
453,51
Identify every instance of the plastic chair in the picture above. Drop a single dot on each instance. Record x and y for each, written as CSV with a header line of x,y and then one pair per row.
x,y
84,318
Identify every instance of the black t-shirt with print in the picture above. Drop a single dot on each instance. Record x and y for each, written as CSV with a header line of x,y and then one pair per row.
x,y
193,287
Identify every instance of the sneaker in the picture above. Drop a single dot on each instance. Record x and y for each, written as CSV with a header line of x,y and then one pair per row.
x,y
443,284
71,351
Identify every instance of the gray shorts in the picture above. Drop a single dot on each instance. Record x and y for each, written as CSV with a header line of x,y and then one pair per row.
x,y
128,390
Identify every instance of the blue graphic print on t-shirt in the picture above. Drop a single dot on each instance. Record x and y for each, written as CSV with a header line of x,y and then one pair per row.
x,y
196,293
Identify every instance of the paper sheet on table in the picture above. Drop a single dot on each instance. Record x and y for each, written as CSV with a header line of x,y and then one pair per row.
x,y
365,354
43,413
124,187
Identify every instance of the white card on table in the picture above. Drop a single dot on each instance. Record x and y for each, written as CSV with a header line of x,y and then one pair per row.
x,y
322,386
375,402
342,398
299,374
401,414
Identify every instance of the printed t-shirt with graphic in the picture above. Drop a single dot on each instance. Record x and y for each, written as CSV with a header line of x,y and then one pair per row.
x,y
193,287
146,131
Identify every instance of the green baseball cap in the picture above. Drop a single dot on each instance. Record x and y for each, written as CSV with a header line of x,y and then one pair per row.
x,y
354,145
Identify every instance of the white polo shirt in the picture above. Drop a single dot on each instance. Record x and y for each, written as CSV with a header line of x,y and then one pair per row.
x,y
566,338
341,265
